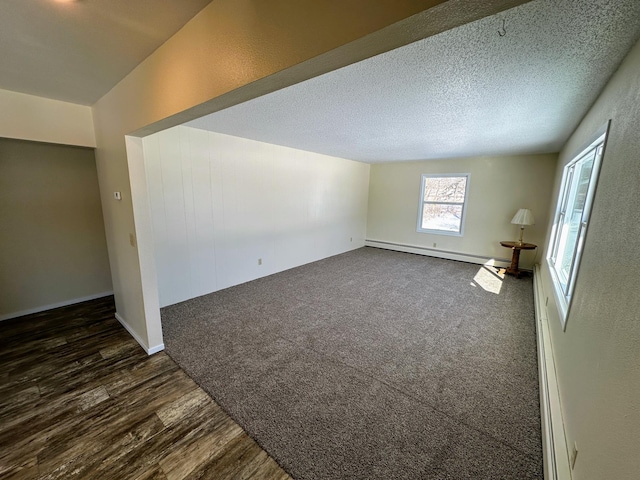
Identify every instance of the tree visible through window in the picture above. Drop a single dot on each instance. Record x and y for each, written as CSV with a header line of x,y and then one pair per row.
x,y
442,203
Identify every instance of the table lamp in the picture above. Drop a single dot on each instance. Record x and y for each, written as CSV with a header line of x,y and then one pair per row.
x,y
523,217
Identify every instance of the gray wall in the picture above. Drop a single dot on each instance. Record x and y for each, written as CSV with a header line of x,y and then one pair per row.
x,y
52,242
598,356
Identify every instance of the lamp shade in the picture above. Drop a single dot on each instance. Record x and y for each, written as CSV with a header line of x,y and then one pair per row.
x,y
523,217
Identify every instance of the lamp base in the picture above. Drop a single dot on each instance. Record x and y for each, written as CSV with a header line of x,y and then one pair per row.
x,y
521,234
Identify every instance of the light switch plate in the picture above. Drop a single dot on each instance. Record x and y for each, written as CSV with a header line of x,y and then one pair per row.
x,y
117,195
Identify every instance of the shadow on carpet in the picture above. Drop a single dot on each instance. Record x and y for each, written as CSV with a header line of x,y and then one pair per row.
x,y
373,364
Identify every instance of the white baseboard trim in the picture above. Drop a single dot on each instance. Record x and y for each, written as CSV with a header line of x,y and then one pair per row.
x,y
143,344
44,308
434,252
554,445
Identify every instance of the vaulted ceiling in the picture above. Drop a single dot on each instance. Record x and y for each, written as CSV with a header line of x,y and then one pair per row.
x,y
77,51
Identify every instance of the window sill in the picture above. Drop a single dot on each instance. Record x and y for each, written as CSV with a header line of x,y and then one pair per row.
x,y
439,232
561,301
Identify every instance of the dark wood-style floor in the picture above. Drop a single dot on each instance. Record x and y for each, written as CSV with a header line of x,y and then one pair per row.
x,y
79,398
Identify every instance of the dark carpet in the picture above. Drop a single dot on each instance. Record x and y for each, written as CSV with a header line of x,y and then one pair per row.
x,y
373,364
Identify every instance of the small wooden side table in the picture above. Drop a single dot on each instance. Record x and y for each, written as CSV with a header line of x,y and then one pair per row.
x,y
515,258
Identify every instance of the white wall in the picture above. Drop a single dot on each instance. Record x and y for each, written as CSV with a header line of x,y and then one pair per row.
x,y
27,117
219,203
498,187
598,356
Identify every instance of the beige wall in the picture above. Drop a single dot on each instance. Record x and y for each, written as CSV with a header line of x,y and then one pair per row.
x,y
233,50
27,117
498,187
598,356
52,242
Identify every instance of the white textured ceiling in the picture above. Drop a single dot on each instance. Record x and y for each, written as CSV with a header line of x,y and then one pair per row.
x,y
77,51
465,92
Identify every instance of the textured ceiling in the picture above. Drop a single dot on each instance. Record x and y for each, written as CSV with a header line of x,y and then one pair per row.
x,y
77,51
465,92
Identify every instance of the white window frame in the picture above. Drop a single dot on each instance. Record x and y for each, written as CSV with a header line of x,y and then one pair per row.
x,y
564,287
423,183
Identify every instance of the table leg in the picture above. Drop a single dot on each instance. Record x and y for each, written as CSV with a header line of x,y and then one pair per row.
x,y
515,259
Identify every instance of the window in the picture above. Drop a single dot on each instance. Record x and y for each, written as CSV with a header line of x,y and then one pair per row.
x,y
572,219
442,204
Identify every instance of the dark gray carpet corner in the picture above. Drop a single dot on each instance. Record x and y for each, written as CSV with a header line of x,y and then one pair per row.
x,y
373,364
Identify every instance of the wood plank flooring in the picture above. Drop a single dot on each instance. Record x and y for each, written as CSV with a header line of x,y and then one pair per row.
x,y
79,398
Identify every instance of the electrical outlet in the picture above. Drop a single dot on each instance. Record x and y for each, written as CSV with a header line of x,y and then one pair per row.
x,y
351,239
434,245
574,456
259,261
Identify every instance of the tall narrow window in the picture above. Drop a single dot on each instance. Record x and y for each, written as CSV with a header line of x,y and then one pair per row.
x,y
442,203
572,219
